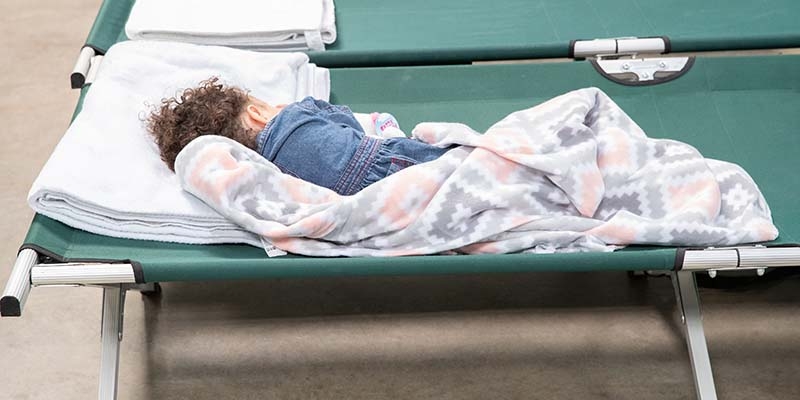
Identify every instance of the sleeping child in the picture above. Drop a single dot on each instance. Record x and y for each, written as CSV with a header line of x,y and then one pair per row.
x,y
311,139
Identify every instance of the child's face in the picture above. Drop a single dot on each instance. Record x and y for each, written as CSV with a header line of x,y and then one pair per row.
x,y
258,113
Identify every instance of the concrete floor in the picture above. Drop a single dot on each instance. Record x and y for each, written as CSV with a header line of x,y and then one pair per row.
x,y
520,336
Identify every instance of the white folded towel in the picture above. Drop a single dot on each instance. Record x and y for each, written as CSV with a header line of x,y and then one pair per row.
x,y
267,25
106,176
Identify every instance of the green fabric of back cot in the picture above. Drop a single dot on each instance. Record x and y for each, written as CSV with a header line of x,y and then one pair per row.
x,y
109,25
740,109
417,32
459,31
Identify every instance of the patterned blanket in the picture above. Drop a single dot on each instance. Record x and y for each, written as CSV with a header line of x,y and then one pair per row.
x,y
572,174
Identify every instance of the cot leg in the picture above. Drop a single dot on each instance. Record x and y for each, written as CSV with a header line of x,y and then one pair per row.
x,y
111,335
689,304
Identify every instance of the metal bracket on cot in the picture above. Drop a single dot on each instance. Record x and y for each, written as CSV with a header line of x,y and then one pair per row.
x,y
632,61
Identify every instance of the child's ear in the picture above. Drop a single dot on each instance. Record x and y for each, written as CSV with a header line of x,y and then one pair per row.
x,y
255,115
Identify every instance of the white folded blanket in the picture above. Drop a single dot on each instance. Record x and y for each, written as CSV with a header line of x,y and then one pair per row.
x,y
106,176
253,24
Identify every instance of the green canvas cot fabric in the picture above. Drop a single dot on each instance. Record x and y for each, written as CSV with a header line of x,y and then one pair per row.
x,y
164,262
739,109
459,31
109,25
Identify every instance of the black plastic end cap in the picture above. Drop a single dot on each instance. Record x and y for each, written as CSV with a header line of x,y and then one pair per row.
x,y
138,272
77,80
667,44
9,307
156,292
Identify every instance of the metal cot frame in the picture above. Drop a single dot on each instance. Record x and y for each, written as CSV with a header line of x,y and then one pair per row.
x,y
117,279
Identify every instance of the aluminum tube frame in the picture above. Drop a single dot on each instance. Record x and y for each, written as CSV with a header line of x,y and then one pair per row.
x,y
753,257
82,65
111,336
688,299
625,45
19,284
82,274
94,66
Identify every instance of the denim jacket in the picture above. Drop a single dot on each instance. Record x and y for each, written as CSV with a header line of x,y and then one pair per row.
x,y
323,144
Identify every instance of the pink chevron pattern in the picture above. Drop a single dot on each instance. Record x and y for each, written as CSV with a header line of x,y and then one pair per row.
x,y
572,174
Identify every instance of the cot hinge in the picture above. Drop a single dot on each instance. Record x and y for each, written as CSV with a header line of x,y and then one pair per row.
x,y
630,60
616,47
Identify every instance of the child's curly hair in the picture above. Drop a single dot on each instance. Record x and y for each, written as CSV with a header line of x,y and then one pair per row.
x,y
212,108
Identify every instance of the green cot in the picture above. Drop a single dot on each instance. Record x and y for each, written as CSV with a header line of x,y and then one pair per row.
x,y
737,108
